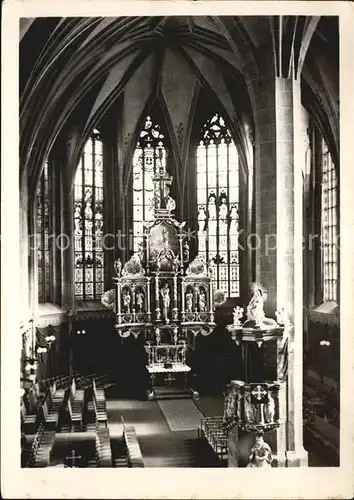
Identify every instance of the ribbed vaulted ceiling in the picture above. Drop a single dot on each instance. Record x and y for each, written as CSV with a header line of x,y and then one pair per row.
x,y
72,70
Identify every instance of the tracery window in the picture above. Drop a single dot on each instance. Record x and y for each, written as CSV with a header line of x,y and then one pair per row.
x,y
149,156
44,208
88,222
329,226
218,203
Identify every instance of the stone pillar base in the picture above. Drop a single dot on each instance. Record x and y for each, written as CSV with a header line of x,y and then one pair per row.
x,y
279,460
298,458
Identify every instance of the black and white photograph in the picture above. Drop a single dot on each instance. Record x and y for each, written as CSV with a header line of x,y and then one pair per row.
x,y
177,243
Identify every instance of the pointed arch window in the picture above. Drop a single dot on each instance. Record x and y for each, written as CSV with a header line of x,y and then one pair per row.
x,y
149,156
44,207
329,226
88,222
218,203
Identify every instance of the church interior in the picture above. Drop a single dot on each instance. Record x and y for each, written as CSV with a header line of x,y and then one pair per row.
x,y
179,223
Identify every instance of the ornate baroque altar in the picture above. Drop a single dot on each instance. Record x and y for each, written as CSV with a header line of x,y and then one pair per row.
x,y
160,294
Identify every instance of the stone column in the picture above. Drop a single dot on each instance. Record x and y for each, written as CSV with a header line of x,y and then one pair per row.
x,y
278,179
26,257
109,202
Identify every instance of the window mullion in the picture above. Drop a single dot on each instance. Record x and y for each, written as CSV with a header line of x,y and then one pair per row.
x,y
206,146
228,219
93,231
43,268
217,214
83,235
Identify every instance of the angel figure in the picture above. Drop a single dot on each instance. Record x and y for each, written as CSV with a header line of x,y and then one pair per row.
x,y
255,309
237,315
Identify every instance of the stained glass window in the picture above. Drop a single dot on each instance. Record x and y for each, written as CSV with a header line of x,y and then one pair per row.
x,y
218,203
44,236
329,223
88,222
149,157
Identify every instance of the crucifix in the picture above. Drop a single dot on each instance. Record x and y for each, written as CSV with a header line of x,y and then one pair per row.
x,y
259,393
73,457
162,181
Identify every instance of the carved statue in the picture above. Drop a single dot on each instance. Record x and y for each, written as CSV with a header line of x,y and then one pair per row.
x,y
126,300
189,301
250,410
169,201
134,265
280,315
176,264
230,404
197,267
261,453
186,252
118,267
202,300
108,299
237,315
140,301
269,409
255,312
166,300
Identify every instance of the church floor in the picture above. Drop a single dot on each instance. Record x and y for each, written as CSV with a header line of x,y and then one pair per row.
x,y
160,447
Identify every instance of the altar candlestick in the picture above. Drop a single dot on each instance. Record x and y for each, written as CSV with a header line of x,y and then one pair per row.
x,y
181,250
182,297
33,339
195,299
157,298
175,292
27,348
148,296
118,298
211,296
147,254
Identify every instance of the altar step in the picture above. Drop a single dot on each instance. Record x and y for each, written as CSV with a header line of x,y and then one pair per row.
x,y
170,392
177,450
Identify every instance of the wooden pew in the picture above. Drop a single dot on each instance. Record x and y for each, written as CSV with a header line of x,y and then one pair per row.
x,y
76,405
99,403
42,458
52,405
28,421
31,451
135,458
103,446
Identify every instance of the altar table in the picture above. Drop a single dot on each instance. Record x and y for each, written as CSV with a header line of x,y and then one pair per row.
x,y
159,368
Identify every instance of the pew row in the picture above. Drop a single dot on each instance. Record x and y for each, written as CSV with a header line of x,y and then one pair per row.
x,y
135,458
